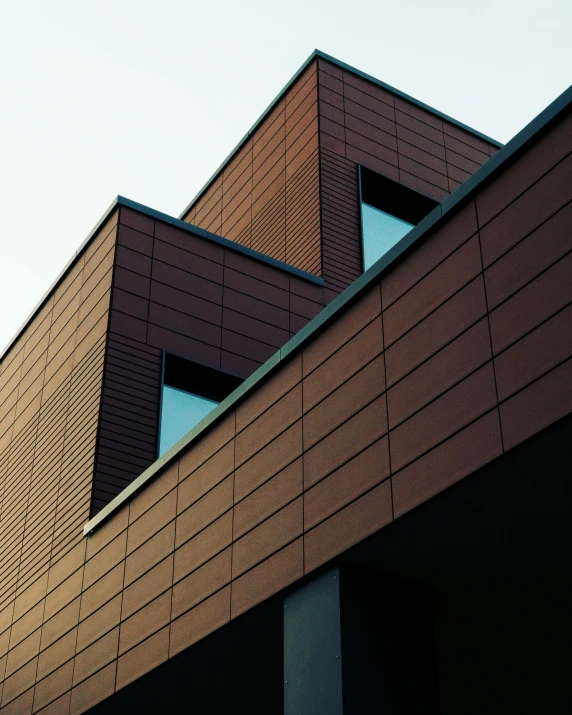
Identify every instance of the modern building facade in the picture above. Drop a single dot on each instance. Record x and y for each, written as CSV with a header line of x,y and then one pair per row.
x,y
304,449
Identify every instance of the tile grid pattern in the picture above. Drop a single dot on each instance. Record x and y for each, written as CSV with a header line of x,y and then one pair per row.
x,y
184,294
361,123
292,190
301,470
50,384
267,197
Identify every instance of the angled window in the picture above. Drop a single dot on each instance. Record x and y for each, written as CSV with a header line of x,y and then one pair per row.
x,y
188,393
388,212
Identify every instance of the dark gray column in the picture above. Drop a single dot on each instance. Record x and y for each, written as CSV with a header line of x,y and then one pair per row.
x,y
357,642
313,648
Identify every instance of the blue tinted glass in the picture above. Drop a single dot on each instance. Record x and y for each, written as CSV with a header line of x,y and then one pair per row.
x,y
381,231
180,412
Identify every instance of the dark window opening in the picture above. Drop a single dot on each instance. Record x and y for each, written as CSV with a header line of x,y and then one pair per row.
x,y
388,212
189,392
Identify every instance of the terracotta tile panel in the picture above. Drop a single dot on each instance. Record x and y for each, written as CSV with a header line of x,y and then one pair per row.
x,y
534,303
268,537
465,452
527,212
437,193
145,622
152,521
105,560
20,681
53,686
146,588
345,401
536,353
200,621
435,331
59,624
102,591
266,579
204,511
20,654
135,240
360,350
405,119
206,544
342,444
429,254
56,655
152,551
202,583
355,522
99,623
272,459
93,690
28,598
208,475
154,492
136,220
279,384
96,656
347,483
265,428
184,346
143,658
410,153
268,498
373,162
60,706
433,290
27,624
537,406
440,419
208,446
515,179
454,362
63,594
529,258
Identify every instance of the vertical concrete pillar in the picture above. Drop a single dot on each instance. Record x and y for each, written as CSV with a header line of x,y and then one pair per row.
x,y
313,648
359,643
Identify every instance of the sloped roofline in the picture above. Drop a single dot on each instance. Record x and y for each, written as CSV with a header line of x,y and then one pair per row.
x,y
172,221
342,65
514,148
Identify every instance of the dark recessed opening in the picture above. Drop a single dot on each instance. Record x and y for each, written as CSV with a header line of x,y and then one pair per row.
x,y
393,198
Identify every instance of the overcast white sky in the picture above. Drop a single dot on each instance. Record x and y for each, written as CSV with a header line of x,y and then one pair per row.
x,y
145,99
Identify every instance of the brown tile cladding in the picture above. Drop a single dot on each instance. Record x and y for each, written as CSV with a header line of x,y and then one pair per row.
x,y
463,361
186,295
292,190
267,196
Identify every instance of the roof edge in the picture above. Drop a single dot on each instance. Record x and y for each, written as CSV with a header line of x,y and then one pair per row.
x,y
318,54
345,299
165,218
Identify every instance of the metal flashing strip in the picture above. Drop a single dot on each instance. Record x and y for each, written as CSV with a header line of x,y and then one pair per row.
x,y
171,220
342,65
419,233
215,238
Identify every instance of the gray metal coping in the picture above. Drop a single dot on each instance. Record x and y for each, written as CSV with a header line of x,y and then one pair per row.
x,y
342,65
419,233
165,218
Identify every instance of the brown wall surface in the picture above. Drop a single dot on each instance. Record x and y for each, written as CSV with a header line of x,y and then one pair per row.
x,y
50,385
292,189
362,123
179,292
267,196
460,352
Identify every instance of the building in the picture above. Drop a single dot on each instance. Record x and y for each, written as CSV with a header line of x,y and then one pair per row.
x,y
237,470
